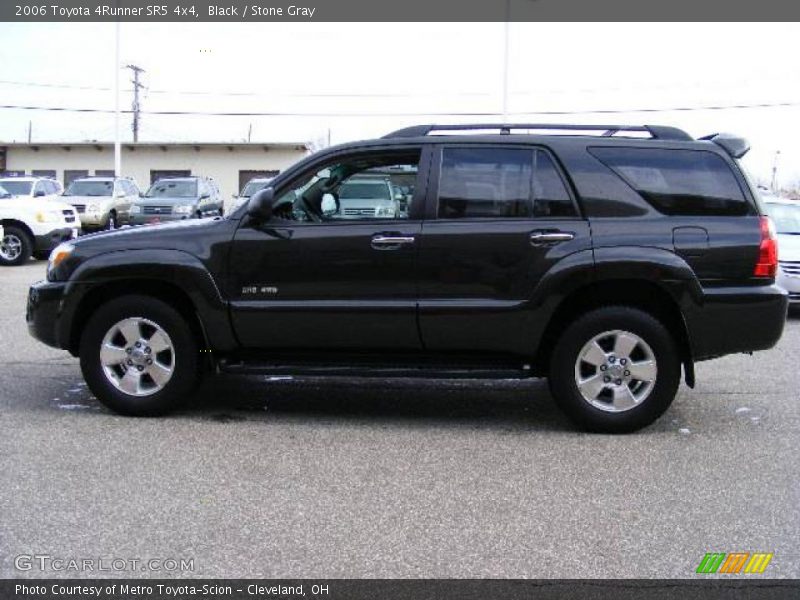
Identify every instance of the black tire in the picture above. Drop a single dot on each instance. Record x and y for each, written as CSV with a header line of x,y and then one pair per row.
x,y
111,224
21,240
562,378
186,373
41,255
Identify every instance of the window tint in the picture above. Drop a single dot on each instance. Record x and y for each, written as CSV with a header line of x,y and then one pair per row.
x,y
485,182
550,196
678,182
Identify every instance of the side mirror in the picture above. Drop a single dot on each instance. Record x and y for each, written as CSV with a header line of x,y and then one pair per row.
x,y
39,194
260,204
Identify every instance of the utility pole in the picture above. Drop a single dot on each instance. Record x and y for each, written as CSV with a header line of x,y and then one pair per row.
x,y
30,131
775,172
136,87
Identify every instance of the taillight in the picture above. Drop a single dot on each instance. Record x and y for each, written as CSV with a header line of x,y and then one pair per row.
x,y
767,264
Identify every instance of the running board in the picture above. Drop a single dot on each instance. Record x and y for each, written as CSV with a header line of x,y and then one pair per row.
x,y
242,367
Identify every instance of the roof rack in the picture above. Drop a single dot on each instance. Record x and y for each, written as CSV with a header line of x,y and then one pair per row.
x,y
659,132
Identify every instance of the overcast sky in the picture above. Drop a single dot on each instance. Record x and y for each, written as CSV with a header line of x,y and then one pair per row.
x,y
372,70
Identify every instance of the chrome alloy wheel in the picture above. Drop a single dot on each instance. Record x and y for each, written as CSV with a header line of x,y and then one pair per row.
x,y
137,356
10,247
615,371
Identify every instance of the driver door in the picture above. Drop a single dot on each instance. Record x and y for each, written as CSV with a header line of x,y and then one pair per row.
x,y
339,283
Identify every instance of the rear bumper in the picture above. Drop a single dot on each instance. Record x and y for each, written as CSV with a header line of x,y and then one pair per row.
x,y
737,319
43,310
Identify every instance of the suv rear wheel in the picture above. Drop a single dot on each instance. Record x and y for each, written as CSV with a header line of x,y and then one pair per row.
x,y
139,356
615,369
15,246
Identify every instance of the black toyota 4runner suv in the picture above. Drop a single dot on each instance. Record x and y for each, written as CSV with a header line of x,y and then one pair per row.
x,y
603,258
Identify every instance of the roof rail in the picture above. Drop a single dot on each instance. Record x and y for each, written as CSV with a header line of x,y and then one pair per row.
x,y
659,132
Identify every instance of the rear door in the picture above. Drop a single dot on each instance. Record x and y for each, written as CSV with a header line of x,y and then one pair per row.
x,y
499,218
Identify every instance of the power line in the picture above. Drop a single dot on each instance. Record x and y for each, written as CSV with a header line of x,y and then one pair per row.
x,y
245,94
408,114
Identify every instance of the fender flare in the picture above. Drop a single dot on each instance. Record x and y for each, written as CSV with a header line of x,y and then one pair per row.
x,y
168,266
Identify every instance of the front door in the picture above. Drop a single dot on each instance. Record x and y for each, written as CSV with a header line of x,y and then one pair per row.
x,y
317,278
501,218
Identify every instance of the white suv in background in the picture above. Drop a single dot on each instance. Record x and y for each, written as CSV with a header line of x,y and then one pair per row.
x,y
102,202
32,225
32,187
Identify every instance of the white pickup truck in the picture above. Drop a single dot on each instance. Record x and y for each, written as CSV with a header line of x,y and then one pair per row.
x,y
32,225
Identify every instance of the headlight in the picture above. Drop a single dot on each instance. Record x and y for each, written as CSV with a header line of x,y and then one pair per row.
x,y
184,209
48,216
135,209
57,256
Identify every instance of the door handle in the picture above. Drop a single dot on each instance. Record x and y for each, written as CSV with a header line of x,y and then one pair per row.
x,y
545,238
390,242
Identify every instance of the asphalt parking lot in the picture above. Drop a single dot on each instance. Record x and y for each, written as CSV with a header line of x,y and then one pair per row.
x,y
355,478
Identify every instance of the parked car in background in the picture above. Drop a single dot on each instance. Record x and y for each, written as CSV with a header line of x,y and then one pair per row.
x,y
176,198
367,197
786,216
32,187
251,187
33,226
102,202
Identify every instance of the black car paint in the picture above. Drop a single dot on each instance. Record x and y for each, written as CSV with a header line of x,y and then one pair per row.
x,y
467,288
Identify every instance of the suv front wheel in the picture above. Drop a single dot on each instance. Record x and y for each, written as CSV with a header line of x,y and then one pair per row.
x,y
139,356
615,369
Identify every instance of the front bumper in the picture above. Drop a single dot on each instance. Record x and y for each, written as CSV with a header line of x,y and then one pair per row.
x,y
736,319
43,244
789,280
43,310
140,219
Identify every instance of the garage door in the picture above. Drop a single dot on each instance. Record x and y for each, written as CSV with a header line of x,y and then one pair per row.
x,y
155,175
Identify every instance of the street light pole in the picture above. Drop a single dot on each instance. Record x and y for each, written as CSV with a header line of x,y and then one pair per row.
x,y
117,146
506,33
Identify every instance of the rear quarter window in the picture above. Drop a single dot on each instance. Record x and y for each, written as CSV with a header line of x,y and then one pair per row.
x,y
678,182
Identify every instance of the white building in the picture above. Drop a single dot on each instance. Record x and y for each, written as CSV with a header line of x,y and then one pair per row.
x,y
230,164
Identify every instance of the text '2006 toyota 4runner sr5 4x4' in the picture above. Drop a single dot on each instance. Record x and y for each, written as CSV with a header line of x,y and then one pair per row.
x,y
604,258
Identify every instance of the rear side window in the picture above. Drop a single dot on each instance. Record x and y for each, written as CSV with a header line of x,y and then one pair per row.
x,y
501,183
678,182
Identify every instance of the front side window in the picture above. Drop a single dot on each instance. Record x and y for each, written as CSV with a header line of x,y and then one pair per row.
x,y
678,182
370,187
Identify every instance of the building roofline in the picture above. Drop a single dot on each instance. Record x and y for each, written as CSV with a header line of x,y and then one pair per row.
x,y
107,144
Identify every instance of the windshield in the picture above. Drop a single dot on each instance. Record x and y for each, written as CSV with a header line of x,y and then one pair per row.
x,y
173,189
252,187
4,193
18,188
786,217
365,190
90,188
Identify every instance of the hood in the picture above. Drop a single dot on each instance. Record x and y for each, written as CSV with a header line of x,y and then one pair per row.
x,y
28,204
79,199
189,233
788,247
